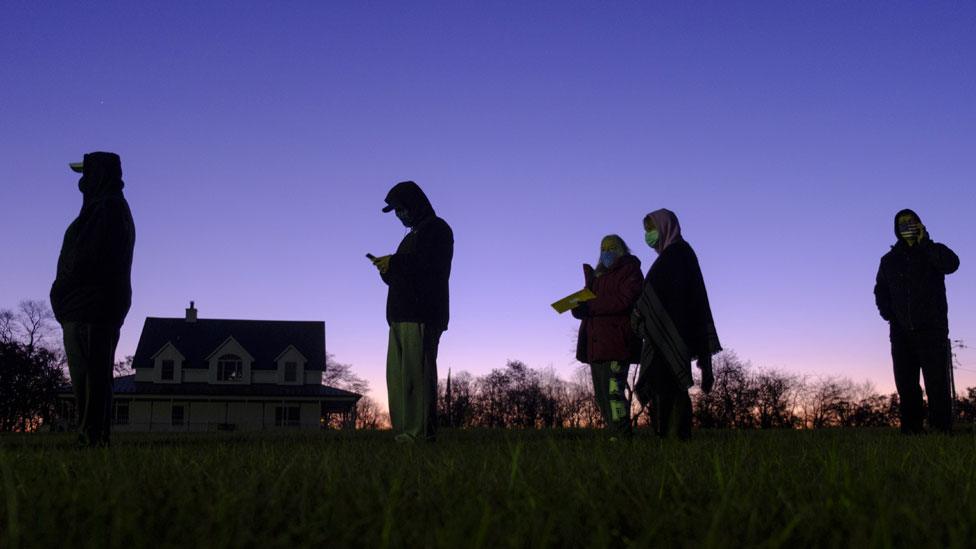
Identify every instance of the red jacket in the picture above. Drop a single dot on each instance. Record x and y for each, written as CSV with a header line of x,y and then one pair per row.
x,y
605,333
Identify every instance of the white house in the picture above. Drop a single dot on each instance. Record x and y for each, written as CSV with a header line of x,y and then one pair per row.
x,y
213,374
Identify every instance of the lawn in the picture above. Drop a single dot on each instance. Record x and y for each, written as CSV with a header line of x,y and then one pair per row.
x,y
859,488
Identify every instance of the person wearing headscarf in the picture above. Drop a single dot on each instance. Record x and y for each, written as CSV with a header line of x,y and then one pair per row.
x,y
675,320
417,310
606,341
92,292
911,296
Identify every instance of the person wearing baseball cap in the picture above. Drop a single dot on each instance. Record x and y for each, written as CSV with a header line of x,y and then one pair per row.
x,y
92,293
417,310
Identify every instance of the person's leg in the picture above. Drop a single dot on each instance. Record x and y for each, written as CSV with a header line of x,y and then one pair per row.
x,y
76,351
906,367
104,340
431,343
664,406
619,405
936,359
414,380
600,374
394,379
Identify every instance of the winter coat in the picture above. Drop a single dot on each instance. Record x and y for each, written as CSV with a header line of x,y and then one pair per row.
x,y
420,270
605,333
93,281
910,286
677,280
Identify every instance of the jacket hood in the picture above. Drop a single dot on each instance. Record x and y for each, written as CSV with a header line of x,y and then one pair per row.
x,y
668,228
906,211
409,196
102,176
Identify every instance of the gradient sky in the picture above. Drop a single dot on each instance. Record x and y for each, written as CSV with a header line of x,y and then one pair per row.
x,y
258,141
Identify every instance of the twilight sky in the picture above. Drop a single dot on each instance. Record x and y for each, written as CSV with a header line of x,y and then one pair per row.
x,y
258,141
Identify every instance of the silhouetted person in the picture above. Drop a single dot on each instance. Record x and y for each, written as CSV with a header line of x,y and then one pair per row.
x,y
417,310
911,296
606,341
93,290
675,319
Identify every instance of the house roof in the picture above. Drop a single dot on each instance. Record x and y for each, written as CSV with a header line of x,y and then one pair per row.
x,y
264,339
128,386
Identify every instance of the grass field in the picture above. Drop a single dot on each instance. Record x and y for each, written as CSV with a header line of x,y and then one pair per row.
x,y
860,488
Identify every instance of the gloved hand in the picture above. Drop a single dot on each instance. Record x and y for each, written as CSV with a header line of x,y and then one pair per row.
x,y
581,311
708,377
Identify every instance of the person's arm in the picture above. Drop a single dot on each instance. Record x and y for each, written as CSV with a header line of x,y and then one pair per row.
x,y
940,257
435,246
621,301
882,296
101,247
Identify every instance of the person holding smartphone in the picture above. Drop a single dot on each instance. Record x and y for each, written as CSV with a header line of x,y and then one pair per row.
x,y
911,296
417,310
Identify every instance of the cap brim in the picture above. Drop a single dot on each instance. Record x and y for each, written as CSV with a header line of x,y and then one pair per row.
x,y
388,209
77,167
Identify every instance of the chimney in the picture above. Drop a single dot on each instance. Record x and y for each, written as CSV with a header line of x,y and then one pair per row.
x,y
191,313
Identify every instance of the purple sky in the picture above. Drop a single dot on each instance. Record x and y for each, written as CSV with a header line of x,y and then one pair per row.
x,y
258,142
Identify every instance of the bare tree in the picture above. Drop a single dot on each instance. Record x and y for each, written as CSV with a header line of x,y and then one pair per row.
x,y
123,367
35,322
340,376
732,402
369,415
8,323
776,398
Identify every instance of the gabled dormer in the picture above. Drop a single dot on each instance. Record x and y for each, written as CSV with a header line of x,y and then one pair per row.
x,y
168,365
291,366
230,364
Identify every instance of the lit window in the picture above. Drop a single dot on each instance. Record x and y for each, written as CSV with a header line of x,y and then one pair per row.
x,y
177,415
230,368
291,372
166,373
287,416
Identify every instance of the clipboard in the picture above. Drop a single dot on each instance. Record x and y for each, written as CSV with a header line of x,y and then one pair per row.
x,y
573,300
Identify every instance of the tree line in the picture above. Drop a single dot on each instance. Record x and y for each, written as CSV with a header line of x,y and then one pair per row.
x,y
32,370
743,397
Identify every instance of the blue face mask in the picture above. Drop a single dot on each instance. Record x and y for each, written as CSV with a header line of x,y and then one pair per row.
x,y
608,257
651,237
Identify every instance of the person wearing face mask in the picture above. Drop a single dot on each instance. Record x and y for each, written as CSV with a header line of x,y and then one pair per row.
x,y
606,341
675,320
417,311
911,296
92,293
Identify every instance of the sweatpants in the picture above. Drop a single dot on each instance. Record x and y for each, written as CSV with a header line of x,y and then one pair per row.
x,y
90,350
928,352
609,384
411,379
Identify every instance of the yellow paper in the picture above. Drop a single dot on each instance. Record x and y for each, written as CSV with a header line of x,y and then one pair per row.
x,y
573,300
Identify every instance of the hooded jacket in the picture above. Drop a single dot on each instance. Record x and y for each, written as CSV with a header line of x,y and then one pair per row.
x,y
93,281
605,333
420,270
910,286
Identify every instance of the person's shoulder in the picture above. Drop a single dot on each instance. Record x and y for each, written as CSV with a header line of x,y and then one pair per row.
x,y
631,262
440,225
